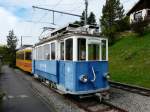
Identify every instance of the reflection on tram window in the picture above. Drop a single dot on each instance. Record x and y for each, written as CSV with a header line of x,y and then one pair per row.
x,y
46,52
69,49
103,49
53,51
81,49
93,52
62,50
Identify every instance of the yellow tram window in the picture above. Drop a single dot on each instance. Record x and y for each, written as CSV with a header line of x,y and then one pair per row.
x,y
27,55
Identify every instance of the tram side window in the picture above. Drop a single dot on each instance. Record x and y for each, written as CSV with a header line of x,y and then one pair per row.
x,y
40,53
62,50
20,55
28,56
46,52
36,53
103,50
93,52
52,51
81,49
69,49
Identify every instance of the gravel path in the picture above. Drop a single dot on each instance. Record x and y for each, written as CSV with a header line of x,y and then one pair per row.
x,y
130,101
19,96
50,97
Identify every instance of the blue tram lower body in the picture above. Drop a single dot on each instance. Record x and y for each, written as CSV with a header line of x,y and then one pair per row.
x,y
66,75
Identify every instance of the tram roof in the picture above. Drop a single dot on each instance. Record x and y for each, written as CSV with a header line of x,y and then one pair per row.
x,y
25,47
69,30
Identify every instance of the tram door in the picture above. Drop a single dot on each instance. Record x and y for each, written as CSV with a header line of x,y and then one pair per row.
x,y
61,64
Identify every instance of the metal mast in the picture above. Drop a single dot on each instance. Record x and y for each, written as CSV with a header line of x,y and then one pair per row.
x,y
86,12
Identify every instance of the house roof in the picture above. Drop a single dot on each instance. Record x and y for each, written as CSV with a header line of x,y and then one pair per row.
x,y
141,4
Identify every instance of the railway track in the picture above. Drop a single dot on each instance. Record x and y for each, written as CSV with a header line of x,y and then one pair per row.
x,y
90,104
130,88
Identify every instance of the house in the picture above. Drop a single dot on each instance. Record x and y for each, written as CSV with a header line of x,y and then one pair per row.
x,y
140,11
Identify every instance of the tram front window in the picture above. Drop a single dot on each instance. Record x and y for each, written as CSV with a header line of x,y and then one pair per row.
x,y
93,52
28,56
81,49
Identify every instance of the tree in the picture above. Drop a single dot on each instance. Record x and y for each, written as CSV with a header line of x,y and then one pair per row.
x,y
4,53
91,19
82,19
123,24
112,11
12,44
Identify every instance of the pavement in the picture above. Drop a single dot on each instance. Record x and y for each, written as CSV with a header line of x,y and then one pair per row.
x,y
19,95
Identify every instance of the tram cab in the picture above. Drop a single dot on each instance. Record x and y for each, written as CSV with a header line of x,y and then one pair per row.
x,y
76,62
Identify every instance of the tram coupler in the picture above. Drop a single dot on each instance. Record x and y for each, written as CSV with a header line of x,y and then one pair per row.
x,y
103,96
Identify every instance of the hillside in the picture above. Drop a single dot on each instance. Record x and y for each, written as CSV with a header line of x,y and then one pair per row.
x,y
129,60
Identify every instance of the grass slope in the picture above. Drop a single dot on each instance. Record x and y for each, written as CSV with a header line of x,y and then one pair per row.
x,y
129,60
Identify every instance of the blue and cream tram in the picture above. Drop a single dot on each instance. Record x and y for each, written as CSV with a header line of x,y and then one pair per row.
x,y
75,60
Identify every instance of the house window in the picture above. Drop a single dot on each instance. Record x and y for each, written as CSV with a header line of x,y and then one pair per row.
x,y
81,49
62,50
53,51
138,15
69,49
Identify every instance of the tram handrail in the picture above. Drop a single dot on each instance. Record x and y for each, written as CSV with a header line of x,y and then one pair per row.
x,y
93,75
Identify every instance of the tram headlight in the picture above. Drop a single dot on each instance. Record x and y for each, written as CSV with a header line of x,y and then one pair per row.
x,y
107,75
84,78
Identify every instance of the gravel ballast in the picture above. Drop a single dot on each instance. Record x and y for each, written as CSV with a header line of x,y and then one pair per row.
x,y
131,102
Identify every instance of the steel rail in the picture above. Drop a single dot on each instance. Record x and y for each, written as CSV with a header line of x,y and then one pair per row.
x,y
130,88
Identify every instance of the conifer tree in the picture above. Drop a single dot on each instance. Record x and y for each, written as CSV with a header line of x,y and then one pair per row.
x,y
12,44
82,19
112,12
91,19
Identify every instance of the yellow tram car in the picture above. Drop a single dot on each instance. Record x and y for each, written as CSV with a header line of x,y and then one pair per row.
x,y
24,58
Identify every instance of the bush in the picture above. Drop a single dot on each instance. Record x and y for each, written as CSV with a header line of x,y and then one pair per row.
x,y
123,24
139,27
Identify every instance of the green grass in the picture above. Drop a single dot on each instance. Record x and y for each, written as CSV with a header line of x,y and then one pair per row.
x,y
129,60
